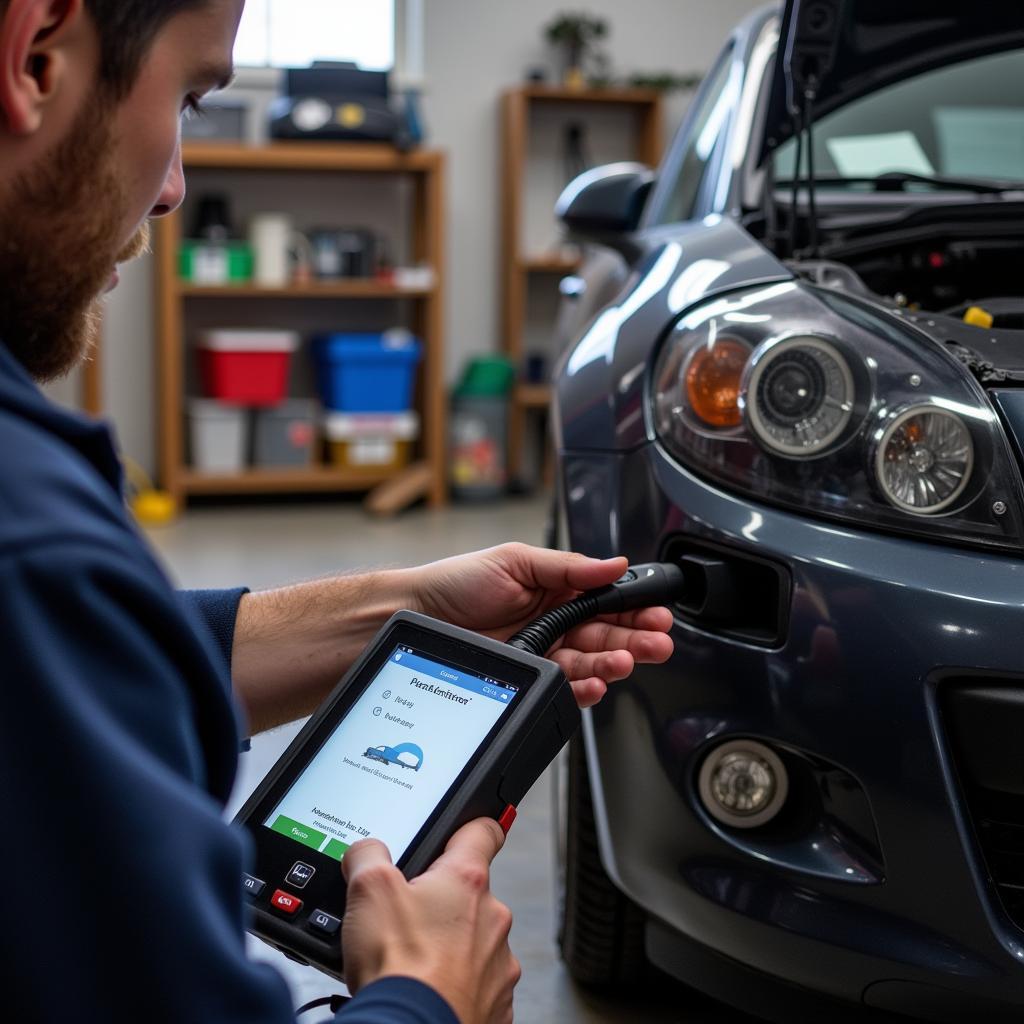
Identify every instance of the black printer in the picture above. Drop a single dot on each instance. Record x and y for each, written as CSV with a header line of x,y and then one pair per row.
x,y
338,102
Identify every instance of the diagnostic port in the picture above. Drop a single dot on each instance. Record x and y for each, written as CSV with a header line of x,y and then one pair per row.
x,y
732,592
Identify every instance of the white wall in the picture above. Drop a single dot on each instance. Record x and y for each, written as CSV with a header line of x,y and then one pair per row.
x,y
474,49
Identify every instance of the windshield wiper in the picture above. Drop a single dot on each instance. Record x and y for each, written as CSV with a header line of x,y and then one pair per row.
x,y
896,181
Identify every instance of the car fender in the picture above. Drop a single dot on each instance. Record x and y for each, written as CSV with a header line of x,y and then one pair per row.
x,y
600,381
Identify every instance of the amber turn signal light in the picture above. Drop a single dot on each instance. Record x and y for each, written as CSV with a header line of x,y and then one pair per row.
x,y
713,382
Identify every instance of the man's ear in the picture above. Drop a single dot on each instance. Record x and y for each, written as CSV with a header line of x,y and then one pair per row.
x,y
34,40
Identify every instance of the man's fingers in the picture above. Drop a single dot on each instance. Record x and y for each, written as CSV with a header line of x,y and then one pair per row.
x,y
651,646
563,570
365,854
483,837
607,665
657,619
589,692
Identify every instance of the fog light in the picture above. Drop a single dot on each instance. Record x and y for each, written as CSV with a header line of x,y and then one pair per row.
x,y
743,784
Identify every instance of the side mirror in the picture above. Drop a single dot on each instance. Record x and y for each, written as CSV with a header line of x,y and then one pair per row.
x,y
605,203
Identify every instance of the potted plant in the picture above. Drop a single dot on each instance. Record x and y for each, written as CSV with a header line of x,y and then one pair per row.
x,y
664,81
575,35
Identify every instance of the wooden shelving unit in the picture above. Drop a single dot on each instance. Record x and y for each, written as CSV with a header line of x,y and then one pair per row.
x,y
355,289
175,299
518,267
92,384
533,396
264,481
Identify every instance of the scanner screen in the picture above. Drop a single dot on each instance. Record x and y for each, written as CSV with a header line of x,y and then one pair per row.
x,y
390,761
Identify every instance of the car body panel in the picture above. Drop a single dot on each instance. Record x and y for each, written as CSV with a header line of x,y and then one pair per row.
x,y
851,593
877,626
602,379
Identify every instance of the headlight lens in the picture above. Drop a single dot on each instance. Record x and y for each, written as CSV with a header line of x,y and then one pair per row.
x,y
924,459
713,377
802,397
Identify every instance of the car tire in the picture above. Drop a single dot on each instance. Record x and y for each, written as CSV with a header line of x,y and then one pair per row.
x,y
601,931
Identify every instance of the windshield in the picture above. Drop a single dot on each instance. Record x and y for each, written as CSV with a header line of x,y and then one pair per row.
x,y
962,121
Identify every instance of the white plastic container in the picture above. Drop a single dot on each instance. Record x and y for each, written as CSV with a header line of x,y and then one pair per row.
x,y
381,441
249,339
219,434
270,235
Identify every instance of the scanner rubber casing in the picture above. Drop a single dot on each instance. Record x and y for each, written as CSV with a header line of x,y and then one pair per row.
x,y
537,726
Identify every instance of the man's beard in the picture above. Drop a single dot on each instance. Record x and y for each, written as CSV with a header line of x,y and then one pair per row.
x,y
59,242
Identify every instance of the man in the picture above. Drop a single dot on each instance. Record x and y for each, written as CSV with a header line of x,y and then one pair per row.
x,y
117,739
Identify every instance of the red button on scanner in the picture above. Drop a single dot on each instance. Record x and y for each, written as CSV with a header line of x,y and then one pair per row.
x,y
507,817
285,902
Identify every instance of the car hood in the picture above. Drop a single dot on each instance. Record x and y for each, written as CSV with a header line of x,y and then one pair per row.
x,y
855,47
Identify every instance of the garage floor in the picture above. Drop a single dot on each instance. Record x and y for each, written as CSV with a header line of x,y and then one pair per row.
x,y
264,547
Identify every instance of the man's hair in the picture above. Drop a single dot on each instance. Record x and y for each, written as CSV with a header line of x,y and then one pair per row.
x,y
127,29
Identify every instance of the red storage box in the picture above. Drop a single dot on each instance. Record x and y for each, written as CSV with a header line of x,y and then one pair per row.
x,y
248,367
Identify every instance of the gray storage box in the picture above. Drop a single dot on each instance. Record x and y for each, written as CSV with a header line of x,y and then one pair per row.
x,y
219,435
283,435
478,439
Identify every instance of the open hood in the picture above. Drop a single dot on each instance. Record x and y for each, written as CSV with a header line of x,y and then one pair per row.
x,y
848,48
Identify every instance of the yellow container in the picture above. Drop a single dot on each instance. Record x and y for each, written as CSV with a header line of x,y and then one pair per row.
x,y
371,441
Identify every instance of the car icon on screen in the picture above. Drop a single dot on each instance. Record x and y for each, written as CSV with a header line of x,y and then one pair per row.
x,y
408,755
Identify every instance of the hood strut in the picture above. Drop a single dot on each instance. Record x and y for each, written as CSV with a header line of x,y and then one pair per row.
x,y
808,58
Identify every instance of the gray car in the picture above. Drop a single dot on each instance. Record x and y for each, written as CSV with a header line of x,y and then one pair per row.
x,y
795,364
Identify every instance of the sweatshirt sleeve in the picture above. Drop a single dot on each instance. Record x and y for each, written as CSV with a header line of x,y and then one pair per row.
x,y
218,610
397,1001
117,748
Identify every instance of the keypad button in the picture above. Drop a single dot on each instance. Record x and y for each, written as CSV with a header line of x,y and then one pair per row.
x,y
507,817
253,885
285,902
300,874
324,923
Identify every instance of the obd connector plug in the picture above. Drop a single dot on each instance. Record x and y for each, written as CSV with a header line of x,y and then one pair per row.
x,y
652,583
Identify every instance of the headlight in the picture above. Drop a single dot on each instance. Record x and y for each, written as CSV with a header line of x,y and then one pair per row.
x,y
802,397
713,382
924,459
799,395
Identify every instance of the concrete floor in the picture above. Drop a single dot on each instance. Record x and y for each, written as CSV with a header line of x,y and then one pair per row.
x,y
269,546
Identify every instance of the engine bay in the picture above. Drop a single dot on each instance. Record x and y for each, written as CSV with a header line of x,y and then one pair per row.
x,y
939,275
954,270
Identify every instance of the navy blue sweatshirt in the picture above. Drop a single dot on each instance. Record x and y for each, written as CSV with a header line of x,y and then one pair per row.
x,y
118,748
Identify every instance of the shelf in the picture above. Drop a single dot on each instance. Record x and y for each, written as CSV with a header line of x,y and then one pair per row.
x,y
560,94
182,308
355,289
532,396
550,264
272,481
307,156
530,270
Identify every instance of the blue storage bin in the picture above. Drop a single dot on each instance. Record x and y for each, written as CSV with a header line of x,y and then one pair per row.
x,y
367,372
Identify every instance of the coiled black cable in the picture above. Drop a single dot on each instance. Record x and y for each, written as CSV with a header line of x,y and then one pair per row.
x,y
334,1003
642,587
541,634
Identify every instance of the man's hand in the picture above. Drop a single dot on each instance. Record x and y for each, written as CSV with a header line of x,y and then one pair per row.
x,y
292,645
444,928
500,590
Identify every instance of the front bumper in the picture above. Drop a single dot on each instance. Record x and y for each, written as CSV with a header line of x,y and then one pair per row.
x,y
875,623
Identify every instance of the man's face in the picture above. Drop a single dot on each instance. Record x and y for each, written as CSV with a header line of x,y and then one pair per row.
x,y
83,206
